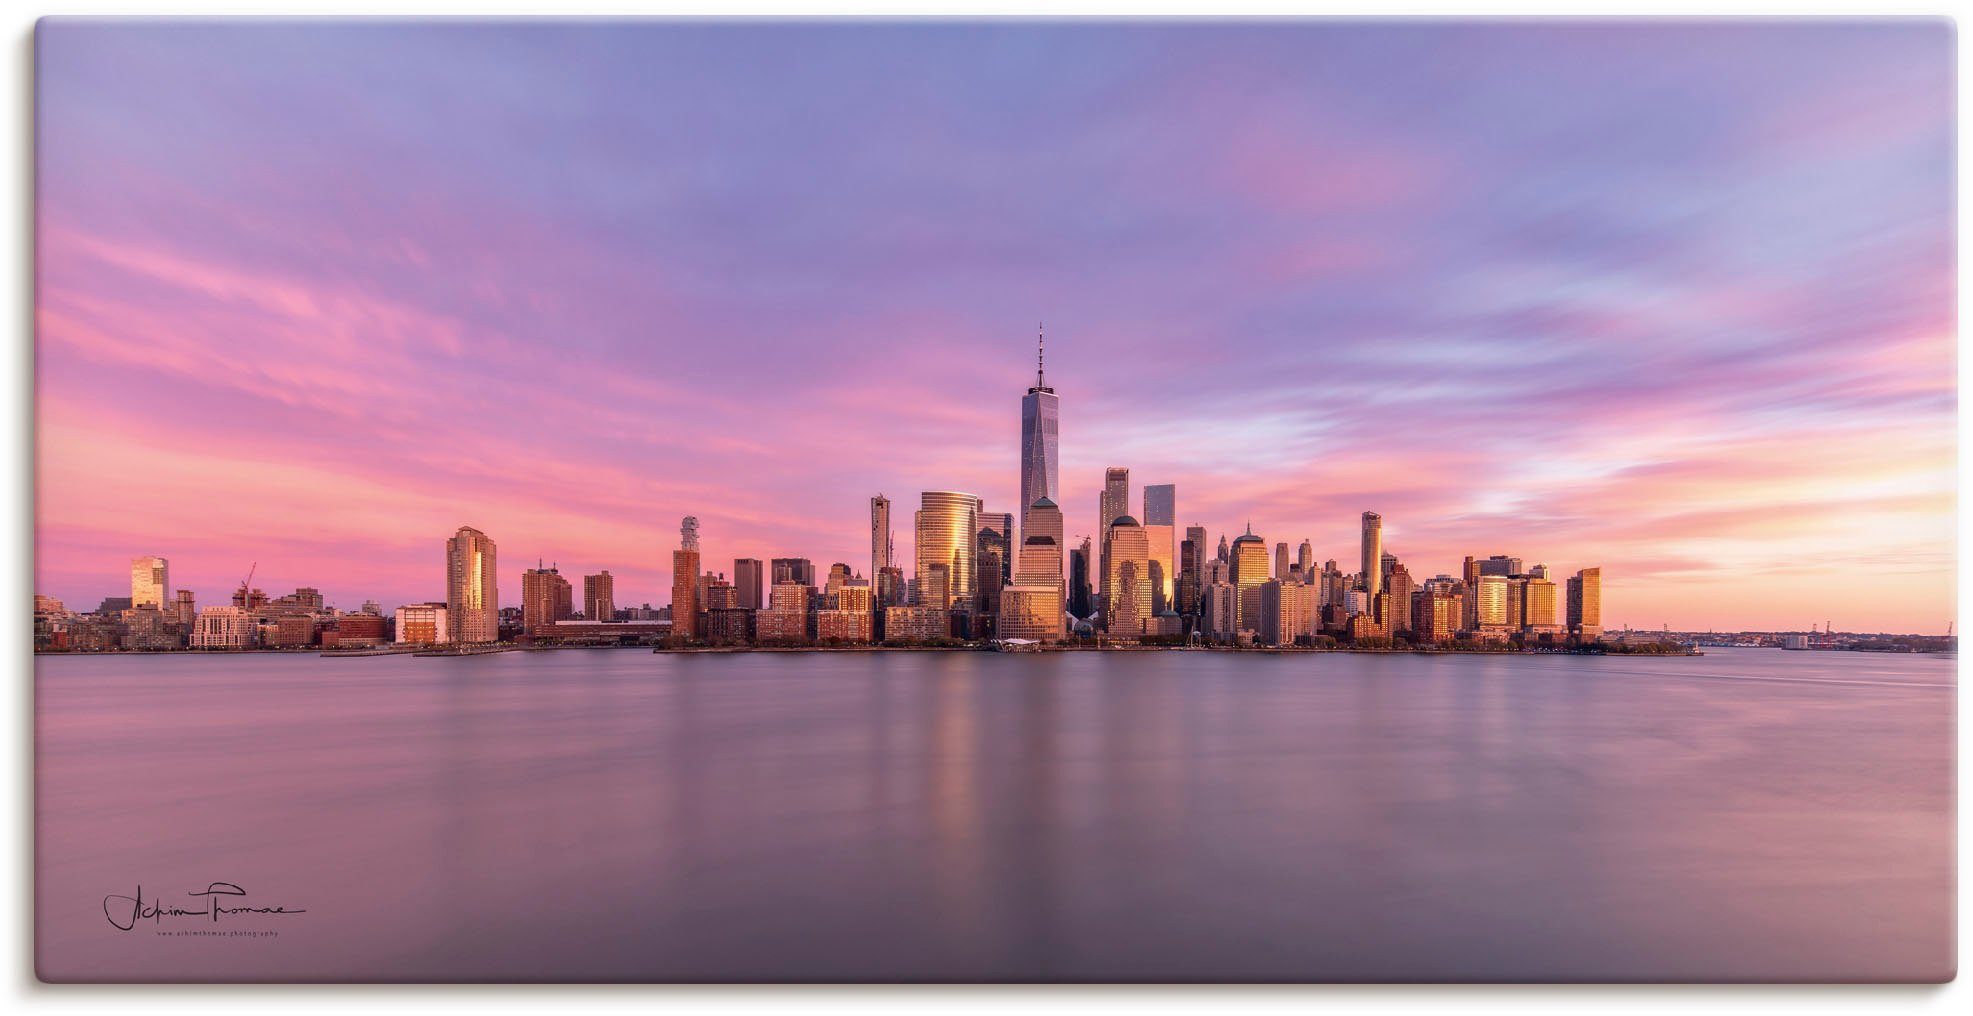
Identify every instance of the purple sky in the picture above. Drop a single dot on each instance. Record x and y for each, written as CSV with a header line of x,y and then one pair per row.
x,y
1672,299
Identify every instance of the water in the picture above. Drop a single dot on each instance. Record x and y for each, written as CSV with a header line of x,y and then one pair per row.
x,y
614,814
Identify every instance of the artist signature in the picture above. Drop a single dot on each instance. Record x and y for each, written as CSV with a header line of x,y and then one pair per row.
x,y
125,911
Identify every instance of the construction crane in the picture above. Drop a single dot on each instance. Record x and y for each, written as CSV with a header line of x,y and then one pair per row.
x,y
246,585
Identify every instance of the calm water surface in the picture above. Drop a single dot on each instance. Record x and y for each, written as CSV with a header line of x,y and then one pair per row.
x,y
616,814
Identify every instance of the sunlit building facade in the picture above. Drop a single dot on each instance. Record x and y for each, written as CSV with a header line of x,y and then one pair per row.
x,y
472,588
150,582
1041,416
1586,603
422,624
948,525
1161,535
1126,608
1371,575
1248,572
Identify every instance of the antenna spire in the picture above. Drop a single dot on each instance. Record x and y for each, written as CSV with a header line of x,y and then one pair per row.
x,y
1040,380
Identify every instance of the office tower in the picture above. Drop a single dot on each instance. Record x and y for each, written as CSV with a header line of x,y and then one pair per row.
x,y
1399,585
1538,614
997,534
1041,413
1224,554
1191,566
685,583
785,620
1490,603
1044,519
1500,564
839,576
1586,603
1305,559
1129,556
1112,504
1160,532
1081,597
892,591
1196,536
1248,572
799,570
749,581
182,609
1435,615
150,582
545,599
716,596
599,596
1539,571
880,538
1371,576
1031,608
948,526
934,587
1219,610
1281,561
472,591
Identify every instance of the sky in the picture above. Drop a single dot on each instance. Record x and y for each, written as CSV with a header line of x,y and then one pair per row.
x,y
1671,299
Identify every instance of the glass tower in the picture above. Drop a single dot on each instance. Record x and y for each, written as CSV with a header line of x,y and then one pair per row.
x,y
1041,414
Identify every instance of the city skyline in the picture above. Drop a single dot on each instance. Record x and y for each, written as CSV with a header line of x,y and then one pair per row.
x,y
1509,364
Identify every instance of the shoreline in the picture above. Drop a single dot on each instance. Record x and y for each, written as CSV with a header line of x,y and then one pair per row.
x,y
497,648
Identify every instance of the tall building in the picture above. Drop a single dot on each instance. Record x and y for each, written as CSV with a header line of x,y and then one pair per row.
x,y
997,535
948,526
1586,603
1399,585
1112,504
545,599
1490,603
1127,607
1160,532
599,596
880,539
1081,597
150,582
749,581
1305,559
799,570
1538,613
1500,564
1281,561
472,588
1044,518
1249,573
1041,415
685,583
1373,554
183,611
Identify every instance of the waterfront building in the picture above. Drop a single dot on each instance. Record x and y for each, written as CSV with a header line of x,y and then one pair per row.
x,y
545,598
997,533
685,583
1435,615
225,628
719,594
1398,583
1538,609
1041,415
1585,594
418,624
150,582
1287,613
892,590
472,589
599,596
916,624
948,525
1044,518
365,629
730,626
1031,611
785,619
1248,573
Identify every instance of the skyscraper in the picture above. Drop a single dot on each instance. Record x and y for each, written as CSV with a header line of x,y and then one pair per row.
x,y
685,583
1127,605
1281,561
749,582
1081,597
545,599
1373,554
599,596
880,538
1041,413
1586,603
948,525
1249,573
150,582
1112,504
1044,519
799,570
1160,532
472,589
1306,559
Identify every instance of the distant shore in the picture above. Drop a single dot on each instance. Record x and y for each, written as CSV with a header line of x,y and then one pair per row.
x,y
504,647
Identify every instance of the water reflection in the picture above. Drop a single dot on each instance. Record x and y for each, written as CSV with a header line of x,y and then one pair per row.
x,y
617,815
